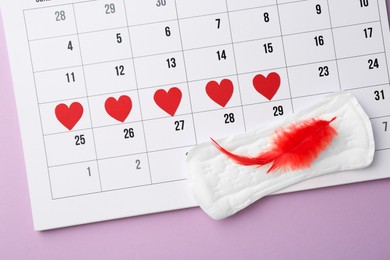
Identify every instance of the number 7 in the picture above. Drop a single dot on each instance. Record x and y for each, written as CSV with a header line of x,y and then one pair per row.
x,y
218,20
385,123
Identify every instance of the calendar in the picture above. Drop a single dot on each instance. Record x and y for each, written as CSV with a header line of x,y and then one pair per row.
x,y
112,94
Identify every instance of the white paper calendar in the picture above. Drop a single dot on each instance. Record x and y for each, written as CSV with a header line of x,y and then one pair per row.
x,y
112,94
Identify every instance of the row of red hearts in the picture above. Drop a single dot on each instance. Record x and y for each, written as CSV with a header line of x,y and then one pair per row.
x,y
168,101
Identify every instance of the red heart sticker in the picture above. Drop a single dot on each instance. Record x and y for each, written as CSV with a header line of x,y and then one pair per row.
x,y
220,93
168,101
69,116
119,109
267,86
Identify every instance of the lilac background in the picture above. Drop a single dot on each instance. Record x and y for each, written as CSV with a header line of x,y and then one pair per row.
x,y
345,222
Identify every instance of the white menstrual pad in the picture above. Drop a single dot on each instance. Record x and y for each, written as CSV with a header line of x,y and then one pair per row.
x,y
223,187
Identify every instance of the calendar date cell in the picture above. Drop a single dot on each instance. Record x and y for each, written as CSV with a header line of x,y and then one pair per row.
x,y
375,100
259,115
234,5
187,8
71,147
74,179
55,53
381,128
50,22
165,172
295,16
313,79
259,55
359,11
304,102
110,77
210,62
150,11
259,23
318,44
218,123
155,106
100,15
179,130
368,71
358,40
51,123
105,46
113,109
160,70
157,38
214,94
119,140
124,172
252,92
205,31
60,84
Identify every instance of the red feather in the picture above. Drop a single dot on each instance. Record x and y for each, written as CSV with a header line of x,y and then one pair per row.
x,y
293,147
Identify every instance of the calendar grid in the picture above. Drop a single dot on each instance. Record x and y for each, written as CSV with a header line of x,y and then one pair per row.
x,y
88,104
185,72
58,5
189,49
162,150
334,45
205,111
119,189
384,46
284,56
39,112
209,78
235,64
136,82
287,66
122,156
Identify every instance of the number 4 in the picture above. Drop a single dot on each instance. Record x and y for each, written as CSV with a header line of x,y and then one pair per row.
x,y
70,46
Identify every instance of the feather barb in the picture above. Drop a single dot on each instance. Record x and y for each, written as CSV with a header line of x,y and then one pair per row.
x,y
294,147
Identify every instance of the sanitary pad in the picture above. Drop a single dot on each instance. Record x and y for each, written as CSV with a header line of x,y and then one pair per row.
x,y
222,187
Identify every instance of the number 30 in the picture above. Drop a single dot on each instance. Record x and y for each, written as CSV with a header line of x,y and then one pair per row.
x,y
161,3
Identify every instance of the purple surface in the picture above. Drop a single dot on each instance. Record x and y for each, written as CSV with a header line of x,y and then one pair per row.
x,y
346,222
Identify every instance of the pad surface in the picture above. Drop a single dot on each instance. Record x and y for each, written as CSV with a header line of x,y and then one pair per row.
x,y
222,187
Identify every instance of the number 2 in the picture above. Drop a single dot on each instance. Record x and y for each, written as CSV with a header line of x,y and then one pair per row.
x,y
138,164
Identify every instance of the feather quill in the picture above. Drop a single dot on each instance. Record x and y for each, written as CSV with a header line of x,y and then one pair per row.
x,y
294,147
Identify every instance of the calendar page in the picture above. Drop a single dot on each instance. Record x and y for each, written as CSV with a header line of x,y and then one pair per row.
x,y
112,94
